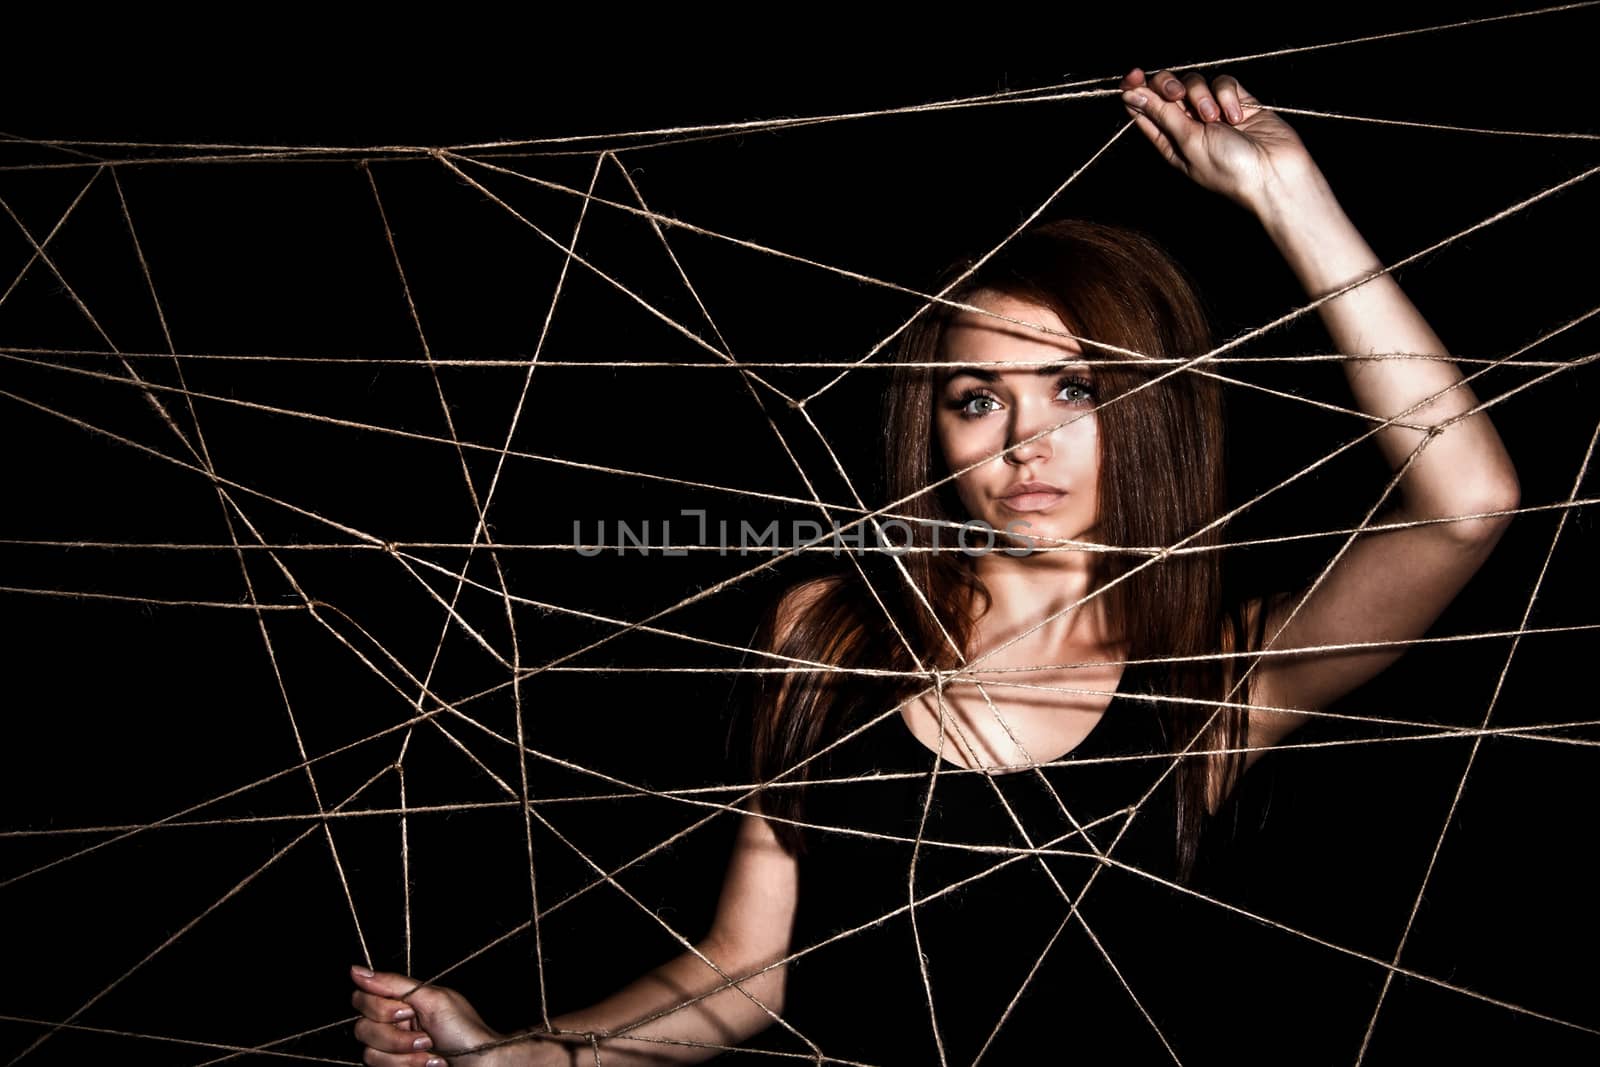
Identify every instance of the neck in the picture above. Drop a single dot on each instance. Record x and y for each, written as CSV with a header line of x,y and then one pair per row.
x,y
1026,590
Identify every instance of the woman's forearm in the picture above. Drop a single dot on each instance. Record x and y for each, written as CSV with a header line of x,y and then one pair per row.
x,y
677,1034
1465,469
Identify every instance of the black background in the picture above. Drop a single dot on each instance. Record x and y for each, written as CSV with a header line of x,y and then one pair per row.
x,y
122,714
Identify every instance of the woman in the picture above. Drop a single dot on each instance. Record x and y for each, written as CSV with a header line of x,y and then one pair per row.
x,y
1094,450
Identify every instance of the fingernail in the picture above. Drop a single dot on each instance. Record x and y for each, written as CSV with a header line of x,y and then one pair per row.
x,y
1134,99
1234,113
422,1042
434,1061
401,1014
365,972
1208,109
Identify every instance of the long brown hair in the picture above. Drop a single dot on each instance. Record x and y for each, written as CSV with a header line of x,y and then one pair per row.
x,y
1161,480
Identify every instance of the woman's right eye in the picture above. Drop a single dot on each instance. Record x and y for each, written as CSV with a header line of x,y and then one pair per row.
x,y
966,401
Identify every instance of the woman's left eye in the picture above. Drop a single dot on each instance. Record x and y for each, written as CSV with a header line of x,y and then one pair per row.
x,y
1083,387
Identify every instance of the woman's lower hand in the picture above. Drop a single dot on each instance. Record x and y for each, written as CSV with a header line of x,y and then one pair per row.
x,y
1217,133
404,1024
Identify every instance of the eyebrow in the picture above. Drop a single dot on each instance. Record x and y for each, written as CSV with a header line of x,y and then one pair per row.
x,y
1048,370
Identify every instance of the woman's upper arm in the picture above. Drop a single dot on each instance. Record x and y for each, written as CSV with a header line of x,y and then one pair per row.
x,y
755,914
1387,586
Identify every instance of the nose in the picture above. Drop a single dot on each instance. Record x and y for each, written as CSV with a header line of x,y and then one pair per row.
x,y
1037,450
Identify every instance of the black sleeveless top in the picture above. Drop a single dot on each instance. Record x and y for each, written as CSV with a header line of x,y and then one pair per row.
x,y
861,996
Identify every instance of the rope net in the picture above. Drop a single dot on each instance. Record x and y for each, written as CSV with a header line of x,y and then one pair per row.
x,y
342,476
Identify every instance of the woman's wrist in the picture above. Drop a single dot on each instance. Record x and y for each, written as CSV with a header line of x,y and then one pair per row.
x,y
1294,198
1310,229
536,1047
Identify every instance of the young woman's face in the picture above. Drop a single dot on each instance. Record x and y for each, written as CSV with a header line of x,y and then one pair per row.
x,y
982,411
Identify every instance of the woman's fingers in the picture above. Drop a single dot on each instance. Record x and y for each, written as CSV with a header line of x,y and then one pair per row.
x,y
381,1009
1164,122
1226,89
386,983
1172,110
374,1058
1134,79
1171,89
386,1037
377,1005
1167,84
389,1026
1200,98
1215,132
391,1045
1233,97
1216,101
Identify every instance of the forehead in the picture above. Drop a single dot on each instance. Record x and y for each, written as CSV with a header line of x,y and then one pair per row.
x,y
971,337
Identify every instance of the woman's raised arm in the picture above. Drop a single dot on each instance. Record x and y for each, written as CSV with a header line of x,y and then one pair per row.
x,y
1389,585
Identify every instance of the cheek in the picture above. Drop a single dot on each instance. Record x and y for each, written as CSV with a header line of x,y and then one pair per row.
x,y
1082,443
964,443
1090,470
961,446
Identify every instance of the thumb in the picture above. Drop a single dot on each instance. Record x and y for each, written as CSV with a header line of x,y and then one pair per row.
x,y
1168,116
385,983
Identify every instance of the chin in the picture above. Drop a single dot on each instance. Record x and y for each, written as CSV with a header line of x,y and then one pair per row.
x,y
1040,528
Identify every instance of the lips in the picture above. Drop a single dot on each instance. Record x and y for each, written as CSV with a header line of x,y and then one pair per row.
x,y
1032,496
1031,488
